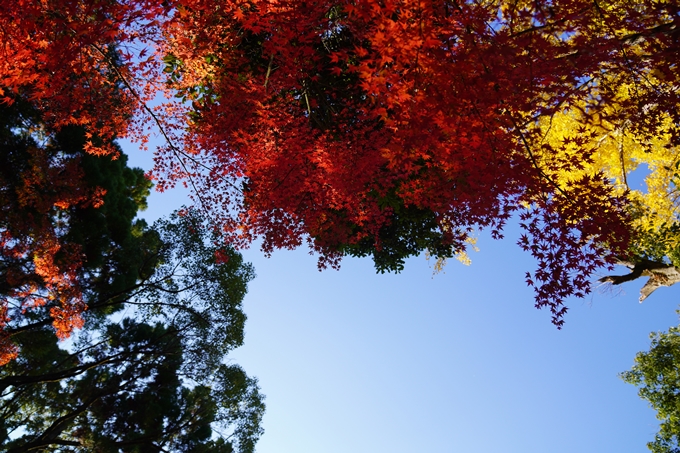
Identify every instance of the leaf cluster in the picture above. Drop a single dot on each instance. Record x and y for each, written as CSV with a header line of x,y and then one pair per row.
x,y
657,375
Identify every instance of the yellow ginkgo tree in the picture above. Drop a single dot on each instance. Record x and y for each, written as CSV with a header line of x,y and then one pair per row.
x,y
618,148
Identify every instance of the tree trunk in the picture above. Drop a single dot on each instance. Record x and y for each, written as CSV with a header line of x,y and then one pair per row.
x,y
660,274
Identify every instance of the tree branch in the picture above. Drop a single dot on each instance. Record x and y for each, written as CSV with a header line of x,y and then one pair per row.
x,y
660,274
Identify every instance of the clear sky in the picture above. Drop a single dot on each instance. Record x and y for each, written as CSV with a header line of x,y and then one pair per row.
x,y
354,361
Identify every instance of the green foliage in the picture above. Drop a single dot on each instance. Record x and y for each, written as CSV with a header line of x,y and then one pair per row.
x,y
411,231
41,174
198,288
657,374
149,384
152,382
109,235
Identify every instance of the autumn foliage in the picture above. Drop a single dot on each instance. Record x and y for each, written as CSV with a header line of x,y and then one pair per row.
x,y
39,269
364,127
59,71
355,125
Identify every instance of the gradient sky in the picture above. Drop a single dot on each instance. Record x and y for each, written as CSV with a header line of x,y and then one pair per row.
x,y
461,361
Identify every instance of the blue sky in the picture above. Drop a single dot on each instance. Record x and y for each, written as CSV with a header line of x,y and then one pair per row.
x,y
461,361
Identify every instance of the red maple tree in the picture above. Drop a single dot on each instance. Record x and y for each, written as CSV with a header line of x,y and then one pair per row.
x,y
383,128
363,127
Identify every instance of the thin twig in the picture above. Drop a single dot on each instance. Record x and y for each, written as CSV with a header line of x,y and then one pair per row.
x,y
176,150
269,71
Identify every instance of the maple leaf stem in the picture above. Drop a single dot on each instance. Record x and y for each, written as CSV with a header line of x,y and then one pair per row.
x,y
312,117
309,110
269,71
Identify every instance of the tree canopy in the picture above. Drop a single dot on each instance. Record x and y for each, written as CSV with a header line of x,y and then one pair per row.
x,y
68,228
380,129
151,312
153,381
657,374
